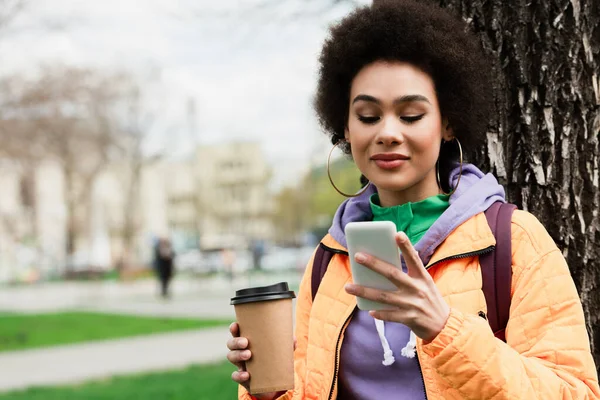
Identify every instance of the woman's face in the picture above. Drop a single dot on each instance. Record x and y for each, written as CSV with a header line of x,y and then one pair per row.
x,y
395,129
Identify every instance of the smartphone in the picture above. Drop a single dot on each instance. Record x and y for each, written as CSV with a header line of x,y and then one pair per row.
x,y
375,238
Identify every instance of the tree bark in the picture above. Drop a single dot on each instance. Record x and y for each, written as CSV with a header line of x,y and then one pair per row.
x,y
543,141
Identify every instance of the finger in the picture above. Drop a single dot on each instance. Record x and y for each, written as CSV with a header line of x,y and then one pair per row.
x,y
239,357
234,329
388,315
390,271
240,377
380,296
237,343
415,266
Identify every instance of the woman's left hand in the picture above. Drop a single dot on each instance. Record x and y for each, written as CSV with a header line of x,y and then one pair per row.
x,y
417,301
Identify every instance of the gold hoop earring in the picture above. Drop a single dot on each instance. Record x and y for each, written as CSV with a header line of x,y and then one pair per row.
x,y
331,180
460,173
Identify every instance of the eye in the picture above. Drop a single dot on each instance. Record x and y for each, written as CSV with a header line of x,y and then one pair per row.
x,y
368,120
411,118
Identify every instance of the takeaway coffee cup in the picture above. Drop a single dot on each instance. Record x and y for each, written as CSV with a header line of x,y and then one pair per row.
x,y
264,315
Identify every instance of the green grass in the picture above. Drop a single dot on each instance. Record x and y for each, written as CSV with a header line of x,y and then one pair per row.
x,y
209,382
25,331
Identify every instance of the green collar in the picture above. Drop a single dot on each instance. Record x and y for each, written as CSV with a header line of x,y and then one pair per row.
x,y
414,219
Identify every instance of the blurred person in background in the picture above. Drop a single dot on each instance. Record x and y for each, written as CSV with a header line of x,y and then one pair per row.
x,y
228,259
402,87
163,262
258,251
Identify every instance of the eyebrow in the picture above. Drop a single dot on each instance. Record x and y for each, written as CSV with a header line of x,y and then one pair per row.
x,y
404,99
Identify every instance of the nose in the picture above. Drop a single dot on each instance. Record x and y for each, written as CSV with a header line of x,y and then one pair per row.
x,y
391,132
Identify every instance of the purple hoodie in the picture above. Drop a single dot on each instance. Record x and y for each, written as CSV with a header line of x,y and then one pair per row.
x,y
362,374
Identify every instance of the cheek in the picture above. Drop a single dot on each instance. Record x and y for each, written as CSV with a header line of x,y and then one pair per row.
x,y
358,151
427,147
358,137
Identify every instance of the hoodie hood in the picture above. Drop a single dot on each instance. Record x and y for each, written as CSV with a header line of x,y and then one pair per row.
x,y
475,193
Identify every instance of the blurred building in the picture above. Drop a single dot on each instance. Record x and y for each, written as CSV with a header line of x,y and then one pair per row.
x,y
218,198
234,203
182,200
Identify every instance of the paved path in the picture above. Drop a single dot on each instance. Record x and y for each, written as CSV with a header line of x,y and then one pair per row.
x,y
207,298
204,298
81,362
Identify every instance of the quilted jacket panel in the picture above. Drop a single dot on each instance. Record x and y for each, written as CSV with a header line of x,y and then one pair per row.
x,y
547,353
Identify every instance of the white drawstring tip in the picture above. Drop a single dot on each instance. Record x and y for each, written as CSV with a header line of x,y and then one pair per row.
x,y
388,358
410,350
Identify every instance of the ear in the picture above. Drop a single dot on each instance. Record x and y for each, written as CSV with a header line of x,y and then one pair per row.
x,y
346,135
447,131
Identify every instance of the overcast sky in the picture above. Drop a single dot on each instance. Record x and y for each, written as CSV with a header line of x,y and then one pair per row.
x,y
250,72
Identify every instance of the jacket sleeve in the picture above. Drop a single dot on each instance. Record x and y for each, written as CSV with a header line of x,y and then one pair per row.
x,y
303,307
547,354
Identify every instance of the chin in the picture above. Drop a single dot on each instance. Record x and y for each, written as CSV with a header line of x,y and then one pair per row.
x,y
391,185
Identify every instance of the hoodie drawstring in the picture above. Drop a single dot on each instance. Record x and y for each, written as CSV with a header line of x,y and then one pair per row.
x,y
388,355
409,351
411,347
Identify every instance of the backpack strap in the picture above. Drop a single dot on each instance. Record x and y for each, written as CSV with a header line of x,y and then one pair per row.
x,y
321,261
496,268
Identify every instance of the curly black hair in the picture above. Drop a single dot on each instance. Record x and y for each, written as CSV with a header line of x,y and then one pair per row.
x,y
421,34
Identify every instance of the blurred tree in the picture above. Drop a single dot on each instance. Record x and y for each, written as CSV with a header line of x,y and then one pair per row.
x,y
324,199
290,216
312,204
137,125
9,10
69,115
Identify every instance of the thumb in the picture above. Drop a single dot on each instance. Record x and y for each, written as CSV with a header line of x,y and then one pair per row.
x,y
411,257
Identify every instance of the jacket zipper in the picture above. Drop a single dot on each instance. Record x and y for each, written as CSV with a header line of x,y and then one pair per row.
x,y
337,355
421,375
337,344
465,255
337,350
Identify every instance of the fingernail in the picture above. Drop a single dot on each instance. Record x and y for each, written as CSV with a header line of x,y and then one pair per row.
x,y
246,354
402,236
360,257
349,288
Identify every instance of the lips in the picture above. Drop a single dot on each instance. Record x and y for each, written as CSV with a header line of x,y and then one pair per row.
x,y
389,157
389,160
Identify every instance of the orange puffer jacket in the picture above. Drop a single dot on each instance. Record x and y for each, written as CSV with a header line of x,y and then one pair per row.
x,y
546,354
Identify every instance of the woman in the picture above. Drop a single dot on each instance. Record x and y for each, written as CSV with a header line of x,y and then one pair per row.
x,y
401,88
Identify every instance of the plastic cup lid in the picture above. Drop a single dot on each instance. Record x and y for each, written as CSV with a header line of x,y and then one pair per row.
x,y
277,291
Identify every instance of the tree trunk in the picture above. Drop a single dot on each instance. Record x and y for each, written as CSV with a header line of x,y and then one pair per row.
x,y
543,142
129,212
70,209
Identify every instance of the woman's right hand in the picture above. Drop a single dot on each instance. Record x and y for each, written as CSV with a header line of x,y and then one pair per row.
x,y
238,355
